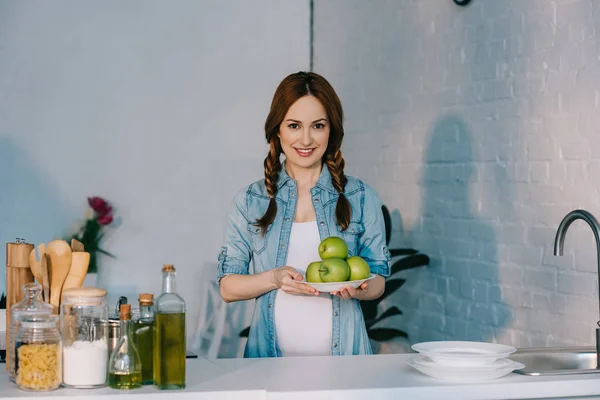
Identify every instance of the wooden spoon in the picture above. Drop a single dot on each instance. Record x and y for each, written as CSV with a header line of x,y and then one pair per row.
x,y
34,264
76,246
79,265
45,278
60,263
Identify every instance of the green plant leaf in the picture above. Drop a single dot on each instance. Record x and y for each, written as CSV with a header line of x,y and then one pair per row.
x,y
409,262
99,250
385,334
390,312
403,252
387,220
369,309
3,301
245,332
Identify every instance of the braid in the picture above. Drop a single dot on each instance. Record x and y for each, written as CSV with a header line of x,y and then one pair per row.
x,y
335,163
272,168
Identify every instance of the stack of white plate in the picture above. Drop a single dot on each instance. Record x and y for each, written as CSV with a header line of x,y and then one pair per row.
x,y
464,361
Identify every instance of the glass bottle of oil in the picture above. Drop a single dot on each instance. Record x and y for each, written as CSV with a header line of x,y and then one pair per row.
x,y
169,335
144,327
124,366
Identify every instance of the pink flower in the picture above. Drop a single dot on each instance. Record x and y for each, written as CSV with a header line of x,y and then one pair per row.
x,y
105,219
100,206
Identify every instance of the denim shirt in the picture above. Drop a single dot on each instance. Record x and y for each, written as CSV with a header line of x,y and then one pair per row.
x,y
245,246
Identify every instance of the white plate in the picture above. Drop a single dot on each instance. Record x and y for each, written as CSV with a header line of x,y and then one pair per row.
x,y
426,362
454,353
327,287
462,374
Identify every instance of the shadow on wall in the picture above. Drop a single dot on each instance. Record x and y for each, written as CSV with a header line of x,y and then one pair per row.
x,y
458,296
30,206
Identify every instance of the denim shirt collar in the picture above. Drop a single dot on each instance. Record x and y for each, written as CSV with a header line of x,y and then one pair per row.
x,y
324,181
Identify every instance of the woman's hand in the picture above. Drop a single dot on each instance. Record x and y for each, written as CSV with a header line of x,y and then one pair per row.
x,y
369,290
348,292
288,280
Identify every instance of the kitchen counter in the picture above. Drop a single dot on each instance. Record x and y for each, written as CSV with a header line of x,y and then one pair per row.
x,y
348,378
389,377
204,381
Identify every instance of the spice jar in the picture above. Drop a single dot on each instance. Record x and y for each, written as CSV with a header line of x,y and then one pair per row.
x,y
38,353
84,329
31,305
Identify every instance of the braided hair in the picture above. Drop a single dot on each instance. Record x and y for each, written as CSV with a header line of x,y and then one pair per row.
x,y
292,88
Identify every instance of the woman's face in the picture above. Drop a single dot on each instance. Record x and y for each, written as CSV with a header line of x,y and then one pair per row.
x,y
304,133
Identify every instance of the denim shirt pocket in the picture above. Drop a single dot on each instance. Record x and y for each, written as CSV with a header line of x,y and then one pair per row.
x,y
352,235
259,241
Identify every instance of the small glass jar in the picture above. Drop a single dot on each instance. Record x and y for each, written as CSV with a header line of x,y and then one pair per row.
x,y
31,305
38,353
84,329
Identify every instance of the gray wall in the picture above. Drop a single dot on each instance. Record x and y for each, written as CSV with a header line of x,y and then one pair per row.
x,y
157,106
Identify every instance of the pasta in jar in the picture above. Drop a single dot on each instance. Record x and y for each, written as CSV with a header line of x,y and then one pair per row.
x,y
38,361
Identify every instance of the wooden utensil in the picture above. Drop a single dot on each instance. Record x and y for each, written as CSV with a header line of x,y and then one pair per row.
x,y
79,265
45,278
35,264
60,263
76,246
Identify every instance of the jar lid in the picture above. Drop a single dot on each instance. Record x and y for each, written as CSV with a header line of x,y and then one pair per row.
x,y
146,299
84,293
168,268
20,314
125,312
40,321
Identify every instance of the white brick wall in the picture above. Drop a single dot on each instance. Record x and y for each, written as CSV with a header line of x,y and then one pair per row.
x,y
478,126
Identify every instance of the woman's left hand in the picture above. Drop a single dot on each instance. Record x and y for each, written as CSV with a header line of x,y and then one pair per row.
x,y
348,292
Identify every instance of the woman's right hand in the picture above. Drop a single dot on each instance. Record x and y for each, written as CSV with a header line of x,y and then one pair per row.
x,y
289,280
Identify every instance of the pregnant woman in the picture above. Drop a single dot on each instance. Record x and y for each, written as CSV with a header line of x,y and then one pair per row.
x,y
277,223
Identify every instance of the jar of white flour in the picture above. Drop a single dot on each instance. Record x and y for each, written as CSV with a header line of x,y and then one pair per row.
x,y
84,329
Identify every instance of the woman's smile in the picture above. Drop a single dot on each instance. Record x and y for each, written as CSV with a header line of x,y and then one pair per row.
x,y
304,152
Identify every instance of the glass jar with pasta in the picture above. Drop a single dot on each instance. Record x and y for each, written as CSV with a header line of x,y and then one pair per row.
x,y
38,361
31,305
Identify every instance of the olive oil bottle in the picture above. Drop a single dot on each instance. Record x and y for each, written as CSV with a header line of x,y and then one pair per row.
x,y
169,335
144,336
124,366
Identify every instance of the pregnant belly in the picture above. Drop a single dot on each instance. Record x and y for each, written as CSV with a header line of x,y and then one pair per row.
x,y
303,324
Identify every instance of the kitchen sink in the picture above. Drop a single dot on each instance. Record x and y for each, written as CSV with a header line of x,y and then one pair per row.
x,y
556,361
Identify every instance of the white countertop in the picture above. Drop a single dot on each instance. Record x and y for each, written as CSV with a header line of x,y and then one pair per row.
x,y
356,377
204,380
389,377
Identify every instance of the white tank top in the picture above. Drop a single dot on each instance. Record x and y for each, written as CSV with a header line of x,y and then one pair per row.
x,y
303,324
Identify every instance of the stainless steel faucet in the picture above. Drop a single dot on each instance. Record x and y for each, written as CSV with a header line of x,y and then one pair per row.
x,y
559,243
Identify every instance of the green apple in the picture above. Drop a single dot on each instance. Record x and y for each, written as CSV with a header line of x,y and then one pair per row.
x,y
359,269
334,270
312,272
333,247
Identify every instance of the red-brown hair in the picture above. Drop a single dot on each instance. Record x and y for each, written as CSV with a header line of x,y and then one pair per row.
x,y
292,88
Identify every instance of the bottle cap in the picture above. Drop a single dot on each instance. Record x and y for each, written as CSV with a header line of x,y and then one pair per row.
x,y
146,299
125,312
168,268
